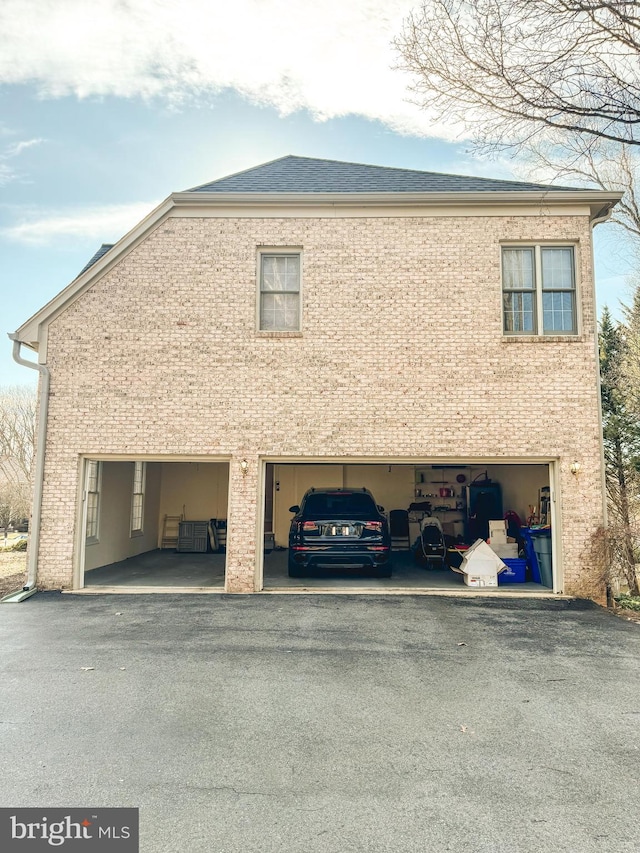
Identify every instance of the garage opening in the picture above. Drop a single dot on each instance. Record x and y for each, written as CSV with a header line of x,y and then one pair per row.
x,y
149,523
434,514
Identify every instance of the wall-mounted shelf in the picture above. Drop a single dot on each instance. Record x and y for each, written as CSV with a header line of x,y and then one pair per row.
x,y
445,494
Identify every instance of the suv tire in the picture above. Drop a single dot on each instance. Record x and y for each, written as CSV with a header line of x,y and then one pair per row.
x,y
296,571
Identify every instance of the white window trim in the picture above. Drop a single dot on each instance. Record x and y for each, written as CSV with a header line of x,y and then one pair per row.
x,y
94,538
138,531
277,251
537,273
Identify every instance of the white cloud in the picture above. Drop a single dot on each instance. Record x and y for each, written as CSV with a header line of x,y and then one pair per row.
x,y
18,147
104,224
7,171
331,57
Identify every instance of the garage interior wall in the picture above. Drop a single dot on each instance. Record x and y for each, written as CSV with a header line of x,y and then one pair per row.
x,y
393,486
114,525
197,490
520,484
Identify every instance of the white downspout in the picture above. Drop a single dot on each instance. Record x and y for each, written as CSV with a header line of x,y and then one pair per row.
x,y
597,220
38,473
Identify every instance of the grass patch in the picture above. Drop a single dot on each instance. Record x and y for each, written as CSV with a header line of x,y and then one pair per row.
x,y
18,545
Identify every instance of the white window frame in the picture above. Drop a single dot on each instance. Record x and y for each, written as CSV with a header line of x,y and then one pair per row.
x,y
538,290
93,490
270,253
137,497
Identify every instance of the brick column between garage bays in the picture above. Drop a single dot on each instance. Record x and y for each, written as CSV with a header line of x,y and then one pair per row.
x,y
242,525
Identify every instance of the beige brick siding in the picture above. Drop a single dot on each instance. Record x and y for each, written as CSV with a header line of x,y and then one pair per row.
x,y
402,355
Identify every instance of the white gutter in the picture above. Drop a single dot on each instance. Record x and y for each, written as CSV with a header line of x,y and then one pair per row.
x,y
599,201
38,474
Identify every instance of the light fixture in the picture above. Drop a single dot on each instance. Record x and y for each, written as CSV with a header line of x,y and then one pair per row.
x,y
244,467
575,467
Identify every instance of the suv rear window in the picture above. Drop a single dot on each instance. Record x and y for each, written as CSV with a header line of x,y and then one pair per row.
x,y
339,504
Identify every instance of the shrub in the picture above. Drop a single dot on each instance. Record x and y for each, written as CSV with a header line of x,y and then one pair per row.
x,y
20,545
629,602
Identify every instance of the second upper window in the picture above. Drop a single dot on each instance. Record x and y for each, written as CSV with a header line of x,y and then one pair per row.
x,y
279,309
539,290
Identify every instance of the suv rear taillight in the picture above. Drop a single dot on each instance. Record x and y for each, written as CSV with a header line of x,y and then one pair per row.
x,y
309,525
373,525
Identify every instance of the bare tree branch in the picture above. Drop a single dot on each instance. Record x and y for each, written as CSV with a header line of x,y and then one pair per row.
x,y
516,69
17,442
579,161
17,430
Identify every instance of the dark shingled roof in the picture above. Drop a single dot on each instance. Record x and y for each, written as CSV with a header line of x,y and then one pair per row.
x,y
292,174
101,251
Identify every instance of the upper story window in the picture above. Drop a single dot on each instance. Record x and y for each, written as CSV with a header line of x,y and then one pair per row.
x,y
539,290
279,309
94,476
137,501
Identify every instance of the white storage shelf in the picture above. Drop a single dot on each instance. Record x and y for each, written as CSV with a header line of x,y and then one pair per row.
x,y
450,508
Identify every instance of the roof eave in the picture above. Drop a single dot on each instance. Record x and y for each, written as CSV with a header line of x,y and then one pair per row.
x,y
597,200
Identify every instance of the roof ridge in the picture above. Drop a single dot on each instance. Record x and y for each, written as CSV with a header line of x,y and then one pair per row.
x,y
400,170
393,169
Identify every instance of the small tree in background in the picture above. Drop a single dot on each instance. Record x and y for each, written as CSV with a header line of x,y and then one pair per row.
x,y
15,501
17,445
18,428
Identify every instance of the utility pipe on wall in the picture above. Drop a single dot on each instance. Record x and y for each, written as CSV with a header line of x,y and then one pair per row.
x,y
38,473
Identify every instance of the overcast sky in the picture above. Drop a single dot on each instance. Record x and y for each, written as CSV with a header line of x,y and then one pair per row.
x,y
108,106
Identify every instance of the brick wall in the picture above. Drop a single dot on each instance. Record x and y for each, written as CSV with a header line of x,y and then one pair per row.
x,y
402,355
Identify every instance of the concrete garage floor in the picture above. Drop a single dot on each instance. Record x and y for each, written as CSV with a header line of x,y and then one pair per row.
x,y
169,569
332,724
407,574
161,568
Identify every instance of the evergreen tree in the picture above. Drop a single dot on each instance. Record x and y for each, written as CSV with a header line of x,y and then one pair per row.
x,y
631,367
621,437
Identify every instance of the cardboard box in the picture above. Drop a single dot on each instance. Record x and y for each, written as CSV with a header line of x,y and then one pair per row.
x,y
453,528
481,566
509,550
480,580
497,526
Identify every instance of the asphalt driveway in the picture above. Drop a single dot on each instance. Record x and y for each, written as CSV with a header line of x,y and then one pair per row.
x,y
302,724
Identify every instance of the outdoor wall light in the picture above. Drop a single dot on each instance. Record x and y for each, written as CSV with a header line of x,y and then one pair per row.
x,y
575,467
244,467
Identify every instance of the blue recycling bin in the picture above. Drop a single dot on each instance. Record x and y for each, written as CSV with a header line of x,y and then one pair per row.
x,y
537,544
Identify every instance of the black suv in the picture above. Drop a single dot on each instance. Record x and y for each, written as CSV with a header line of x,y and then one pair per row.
x,y
338,529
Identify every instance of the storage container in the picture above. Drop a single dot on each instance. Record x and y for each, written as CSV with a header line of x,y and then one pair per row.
x,y
515,571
